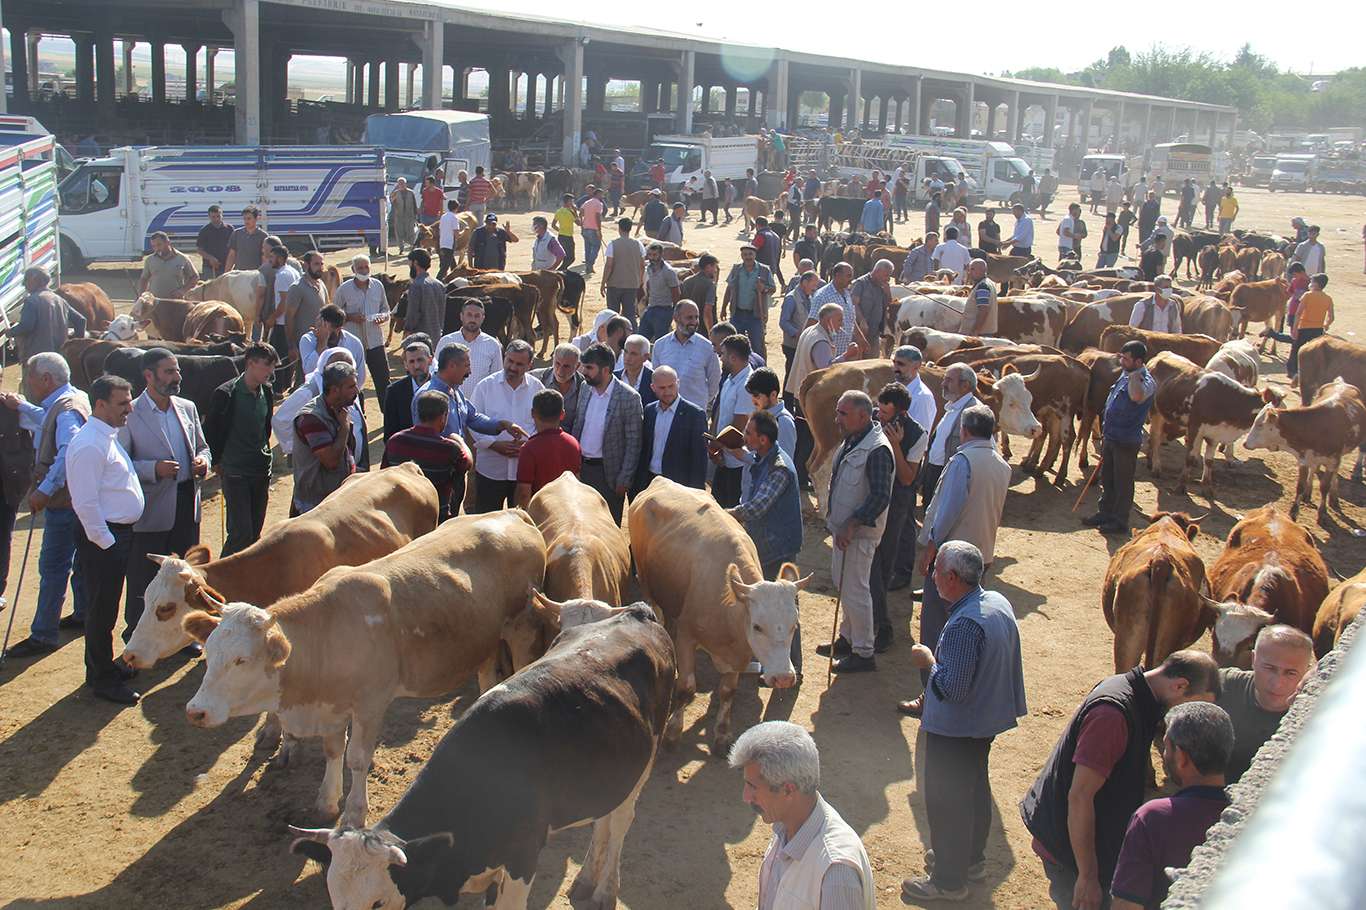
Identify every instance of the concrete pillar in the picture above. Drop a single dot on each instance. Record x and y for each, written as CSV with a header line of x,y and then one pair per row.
x,y
896,112
210,54
835,116
991,119
531,78
917,86
1119,123
1014,117
18,54
357,82
129,82
391,84
1086,125
158,47
966,108
1171,125
571,84
883,102
686,66
551,86
104,72
191,72
31,58
732,99
85,68
410,83
1213,128
244,19
350,79
372,68
1050,115
855,96
776,98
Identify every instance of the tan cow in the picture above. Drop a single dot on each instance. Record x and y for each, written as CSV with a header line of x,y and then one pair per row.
x,y
1337,611
1198,348
699,568
1152,594
1176,378
1206,315
526,184
550,285
1328,357
1272,266
90,300
417,622
1260,301
212,317
754,207
243,289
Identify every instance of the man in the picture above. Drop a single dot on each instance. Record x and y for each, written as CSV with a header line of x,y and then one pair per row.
x,y
327,332
433,200
564,377
1111,238
489,244
506,397
1211,198
871,295
608,428
623,273
1071,231
440,457
958,392
108,499
1228,211
212,243
856,514
932,213
765,393
245,244
748,288
591,213
398,399
1097,194
1310,253
815,859
45,319
906,363
546,252
1114,194
1148,214
486,354
691,356
658,173
873,216
324,446
711,197
671,228
732,410
616,182
367,311
447,229
1153,261
1048,188
1257,699
653,215
816,347
808,247
170,455
967,504
768,246
60,413
304,302
795,313
975,693
952,255
837,291
479,192
1126,412
635,370
287,272
1022,238
1164,832
672,442
980,311
700,287
989,232
1186,209
403,213
426,297
237,429
550,451
1161,312
793,198
662,292
920,260
1090,786
909,440
614,335
566,216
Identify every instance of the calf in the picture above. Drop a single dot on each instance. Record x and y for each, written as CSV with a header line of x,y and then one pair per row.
x,y
698,566
90,300
161,317
1260,301
1337,611
1327,358
753,207
211,319
200,375
840,208
568,741
934,344
1057,386
1197,348
1272,266
1269,571
1208,264
550,287
1152,593
1318,434
243,289
1176,380
1220,412
1248,260
1230,280
417,622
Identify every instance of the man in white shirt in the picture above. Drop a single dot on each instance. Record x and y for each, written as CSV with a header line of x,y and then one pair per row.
x,y
367,311
959,384
691,355
1022,240
486,354
107,498
505,395
1066,235
1311,253
732,410
952,255
446,230
326,333
1159,313
287,274
906,363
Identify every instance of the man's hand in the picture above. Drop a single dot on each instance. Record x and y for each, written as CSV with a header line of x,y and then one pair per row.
x,y
37,501
845,536
506,449
10,400
166,468
507,426
925,559
201,467
922,658
894,432
1086,894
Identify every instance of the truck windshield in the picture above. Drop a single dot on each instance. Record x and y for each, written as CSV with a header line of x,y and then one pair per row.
x,y
1090,165
945,169
1018,169
410,169
1265,163
1292,167
674,155
89,188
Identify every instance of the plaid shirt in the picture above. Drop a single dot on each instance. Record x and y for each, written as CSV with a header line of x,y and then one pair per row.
x,y
881,473
956,659
766,494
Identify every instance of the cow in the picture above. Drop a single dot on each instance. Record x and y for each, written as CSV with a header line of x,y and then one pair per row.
x,y
528,184
1337,611
1269,571
1272,265
121,328
699,567
844,209
942,312
1319,434
1004,269
1202,315
753,207
549,285
1328,357
1057,387
213,319
1220,412
1197,348
88,356
417,622
1237,360
1260,301
1036,321
161,317
587,557
1248,260
1176,377
568,741
987,354
934,344
1105,369
1230,280
1207,263
1228,260
90,300
1083,330
200,374
1152,593
1184,249
636,201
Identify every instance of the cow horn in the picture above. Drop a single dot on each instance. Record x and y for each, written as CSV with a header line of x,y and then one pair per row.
x,y
542,603
1199,518
158,559
214,602
317,835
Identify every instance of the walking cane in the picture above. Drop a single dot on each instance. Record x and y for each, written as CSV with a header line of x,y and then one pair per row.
x,y
222,522
1094,474
834,632
14,608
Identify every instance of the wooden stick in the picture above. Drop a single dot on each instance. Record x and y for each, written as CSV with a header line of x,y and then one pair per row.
x,y
834,631
1100,460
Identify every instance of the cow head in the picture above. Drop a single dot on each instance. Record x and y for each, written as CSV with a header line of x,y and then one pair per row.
x,y
365,867
772,608
142,307
1236,625
1014,404
244,651
176,589
123,328
530,632
1266,431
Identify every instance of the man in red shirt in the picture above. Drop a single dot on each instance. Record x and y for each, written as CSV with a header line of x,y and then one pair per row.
x,y
657,174
480,192
549,452
433,199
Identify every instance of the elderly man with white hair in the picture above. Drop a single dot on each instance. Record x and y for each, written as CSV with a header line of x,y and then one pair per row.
x,y
815,860
634,366
872,296
366,307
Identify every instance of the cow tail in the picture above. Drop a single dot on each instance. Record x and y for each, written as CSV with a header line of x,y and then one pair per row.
x,y
1159,577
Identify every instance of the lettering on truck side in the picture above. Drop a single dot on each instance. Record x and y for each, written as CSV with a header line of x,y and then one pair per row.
x,y
211,188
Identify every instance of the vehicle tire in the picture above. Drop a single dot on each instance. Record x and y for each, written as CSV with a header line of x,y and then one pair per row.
x,y
72,260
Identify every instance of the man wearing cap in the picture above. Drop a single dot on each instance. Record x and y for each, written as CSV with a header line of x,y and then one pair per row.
x,y
489,244
748,288
653,215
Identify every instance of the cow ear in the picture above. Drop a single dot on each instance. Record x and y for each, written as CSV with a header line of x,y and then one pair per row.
x,y
199,625
197,555
737,584
424,850
157,559
277,647
790,573
318,852
1192,531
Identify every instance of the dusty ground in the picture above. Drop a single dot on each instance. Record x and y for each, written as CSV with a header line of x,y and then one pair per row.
x,y
105,808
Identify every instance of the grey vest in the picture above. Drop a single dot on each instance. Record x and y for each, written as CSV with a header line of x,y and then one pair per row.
x,y
312,481
849,485
989,480
997,696
50,325
76,401
969,323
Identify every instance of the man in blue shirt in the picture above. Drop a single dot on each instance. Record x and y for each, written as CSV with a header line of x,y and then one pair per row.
x,y
748,289
1131,397
874,216
1022,240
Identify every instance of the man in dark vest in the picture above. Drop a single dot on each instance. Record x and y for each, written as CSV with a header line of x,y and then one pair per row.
x,y
324,447
1126,410
489,244
1082,800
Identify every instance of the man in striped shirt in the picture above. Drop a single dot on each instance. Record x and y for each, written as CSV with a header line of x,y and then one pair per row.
x,y
479,193
440,457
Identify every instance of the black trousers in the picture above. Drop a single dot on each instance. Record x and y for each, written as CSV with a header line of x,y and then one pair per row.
x,y
567,243
806,443
1292,363
104,572
1118,463
377,362
900,516
709,205
958,803
7,516
245,497
789,354
179,538
279,340
929,479
594,473
447,257
457,501
492,495
725,486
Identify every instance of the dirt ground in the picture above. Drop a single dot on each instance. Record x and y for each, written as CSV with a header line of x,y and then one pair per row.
x,y
101,807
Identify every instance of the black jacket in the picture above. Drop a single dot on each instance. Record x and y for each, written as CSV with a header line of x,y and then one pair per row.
x,y
398,406
685,451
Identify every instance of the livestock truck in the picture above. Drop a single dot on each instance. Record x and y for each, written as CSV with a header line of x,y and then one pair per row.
x,y
416,143
688,157
28,213
995,167
320,197
862,158
1128,168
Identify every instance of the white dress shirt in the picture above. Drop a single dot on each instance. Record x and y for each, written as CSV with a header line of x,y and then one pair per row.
x,y
367,302
446,228
1165,318
175,438
952,255
500,401
486,357
309,353
923,407
698,368
734,401
938,453
664,422
595,422
100,478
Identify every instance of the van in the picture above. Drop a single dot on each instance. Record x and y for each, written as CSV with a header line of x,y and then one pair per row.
x,y
1293,173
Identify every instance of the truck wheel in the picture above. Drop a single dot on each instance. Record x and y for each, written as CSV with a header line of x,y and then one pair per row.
x,y
72,260
1016,199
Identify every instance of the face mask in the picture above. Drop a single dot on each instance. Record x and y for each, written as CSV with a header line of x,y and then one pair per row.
x,y
1167,293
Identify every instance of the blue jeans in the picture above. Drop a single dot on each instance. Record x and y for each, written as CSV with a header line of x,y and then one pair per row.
x,y
592,242
655,322
751,325
1107,260
54,568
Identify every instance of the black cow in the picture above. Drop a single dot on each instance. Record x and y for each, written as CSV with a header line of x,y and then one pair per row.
x,y
846,209
568,740
199,374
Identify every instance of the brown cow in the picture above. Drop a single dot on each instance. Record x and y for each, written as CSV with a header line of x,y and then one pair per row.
x,y
1208,263
1230,280
1273,265
1207,316
1199,348
1220,412
1228,260
90,301
1269,571
753,207
1057,386
524,183
1248,260
1319,435
984,354
1327,357
1176,378
1083,330
161,317
1105,369
549,285
1260,301
1336,613
636,201
210,318
1031,320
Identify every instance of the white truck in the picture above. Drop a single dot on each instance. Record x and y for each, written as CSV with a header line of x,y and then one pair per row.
x,y
1294,173
1128,168
861,159
416,143
995,167
1175,161
324,197
686,157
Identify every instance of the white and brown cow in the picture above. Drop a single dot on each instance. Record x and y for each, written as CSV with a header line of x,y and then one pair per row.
x,y
1176,378
698,565
1237,359
1220,412
417,622
1037,320
934,345
1083,330
566,742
